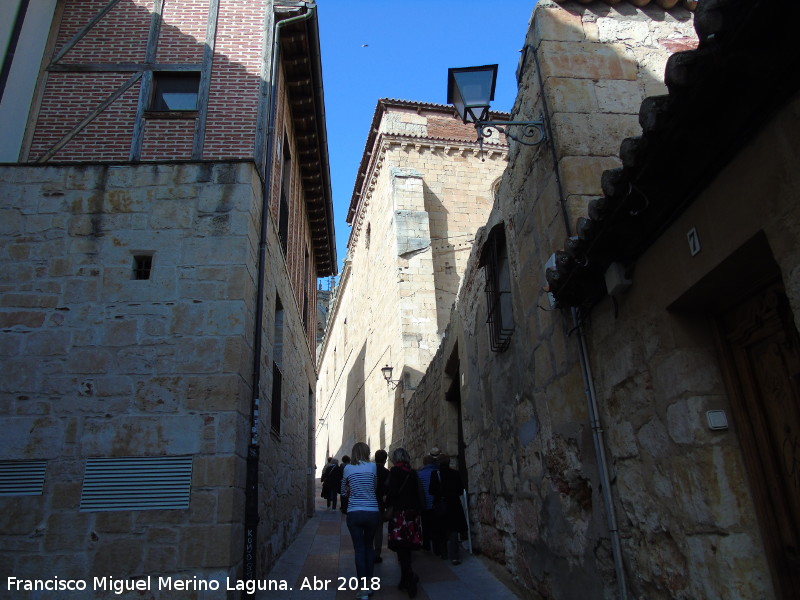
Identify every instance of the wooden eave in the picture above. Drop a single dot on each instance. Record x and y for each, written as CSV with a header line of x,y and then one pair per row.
x,y
302,68
720,95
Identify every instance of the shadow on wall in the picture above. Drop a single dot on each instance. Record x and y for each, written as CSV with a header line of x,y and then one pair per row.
x,y
403,434
445,274
354,422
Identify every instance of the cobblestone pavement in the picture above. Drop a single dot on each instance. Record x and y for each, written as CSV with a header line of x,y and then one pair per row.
x,y
324,551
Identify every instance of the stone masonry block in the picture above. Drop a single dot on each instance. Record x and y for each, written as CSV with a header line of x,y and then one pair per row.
x,y
211,392
571,95
141,436
553,22
581,174
619,96
585,60
593,135
123,555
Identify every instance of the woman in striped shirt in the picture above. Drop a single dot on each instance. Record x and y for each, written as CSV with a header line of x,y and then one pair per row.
x,y
363,518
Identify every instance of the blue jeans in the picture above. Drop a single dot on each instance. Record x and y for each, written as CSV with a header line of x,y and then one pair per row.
x,y
362,525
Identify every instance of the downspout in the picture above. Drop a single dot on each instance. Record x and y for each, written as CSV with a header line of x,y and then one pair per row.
x,y
588,379
251,485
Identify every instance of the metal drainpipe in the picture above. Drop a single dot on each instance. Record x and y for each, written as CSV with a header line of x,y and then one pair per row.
x,y
251,485
588,379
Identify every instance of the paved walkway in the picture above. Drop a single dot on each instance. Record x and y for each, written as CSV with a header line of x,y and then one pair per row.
x,y
324,551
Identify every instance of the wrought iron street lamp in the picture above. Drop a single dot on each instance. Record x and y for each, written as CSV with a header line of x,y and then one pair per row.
x,y
471,89
387,375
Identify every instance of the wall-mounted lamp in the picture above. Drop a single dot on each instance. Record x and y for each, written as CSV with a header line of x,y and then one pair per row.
x,y
471,89
387,375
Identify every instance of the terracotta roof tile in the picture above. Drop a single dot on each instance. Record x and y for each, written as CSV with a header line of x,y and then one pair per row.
x,y
720,95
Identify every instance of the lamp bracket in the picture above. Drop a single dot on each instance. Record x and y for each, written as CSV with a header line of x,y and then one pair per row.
x,y
530,129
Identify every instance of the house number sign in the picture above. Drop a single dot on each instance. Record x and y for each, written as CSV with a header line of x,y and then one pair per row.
x,y
694,241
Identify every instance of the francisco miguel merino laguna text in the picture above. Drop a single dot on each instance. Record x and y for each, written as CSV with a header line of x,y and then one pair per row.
x,y
120,586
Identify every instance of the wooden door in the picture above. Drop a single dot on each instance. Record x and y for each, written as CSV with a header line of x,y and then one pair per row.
x,y
762,362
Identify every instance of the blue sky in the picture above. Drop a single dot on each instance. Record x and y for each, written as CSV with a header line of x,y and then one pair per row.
x,y
401,49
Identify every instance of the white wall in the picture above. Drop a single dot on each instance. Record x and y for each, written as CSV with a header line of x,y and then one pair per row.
x,y
21,83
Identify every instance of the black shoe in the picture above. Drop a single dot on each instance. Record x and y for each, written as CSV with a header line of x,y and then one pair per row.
x,y
412,586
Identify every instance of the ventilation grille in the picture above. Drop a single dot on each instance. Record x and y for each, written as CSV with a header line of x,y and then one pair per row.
x,y
145,483
22,477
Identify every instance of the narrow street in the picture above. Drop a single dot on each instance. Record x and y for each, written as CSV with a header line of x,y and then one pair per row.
x,y
324,550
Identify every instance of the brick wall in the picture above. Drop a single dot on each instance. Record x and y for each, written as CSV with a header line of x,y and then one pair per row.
x,y
121,37
233,101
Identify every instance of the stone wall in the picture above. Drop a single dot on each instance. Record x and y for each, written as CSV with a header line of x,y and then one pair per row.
x,y
691,520
100,364
418,209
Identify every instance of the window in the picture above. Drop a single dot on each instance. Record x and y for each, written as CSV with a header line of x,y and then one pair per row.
x,y
175,91
142,265
275,413
306,284
494,260
283,210
277,364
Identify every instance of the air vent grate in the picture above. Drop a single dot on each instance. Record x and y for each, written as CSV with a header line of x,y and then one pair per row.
x,y
141,483
22,477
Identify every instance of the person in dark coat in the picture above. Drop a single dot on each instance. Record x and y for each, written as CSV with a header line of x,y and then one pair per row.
x,y
329,491
334,480
404,498
429,467
446,488
382,475
338,482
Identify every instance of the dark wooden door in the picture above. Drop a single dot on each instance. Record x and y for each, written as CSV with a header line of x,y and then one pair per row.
x,y
762,359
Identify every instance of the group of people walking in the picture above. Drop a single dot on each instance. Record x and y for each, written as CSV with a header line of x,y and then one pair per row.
x,y
422,509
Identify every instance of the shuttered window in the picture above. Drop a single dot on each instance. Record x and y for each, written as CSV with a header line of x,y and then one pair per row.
x,y
22,477
142,483
494,259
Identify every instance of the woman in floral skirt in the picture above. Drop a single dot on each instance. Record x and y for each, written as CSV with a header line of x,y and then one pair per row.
x,y
404,499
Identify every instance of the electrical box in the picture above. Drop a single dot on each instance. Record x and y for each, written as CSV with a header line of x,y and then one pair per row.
x,y
717,420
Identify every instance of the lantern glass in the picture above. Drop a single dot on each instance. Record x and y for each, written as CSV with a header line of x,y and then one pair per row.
x,y
387,372
470,90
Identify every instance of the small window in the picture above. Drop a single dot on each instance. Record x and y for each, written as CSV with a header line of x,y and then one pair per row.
x,y
142,266
175,91
283,209
275,412
494,259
